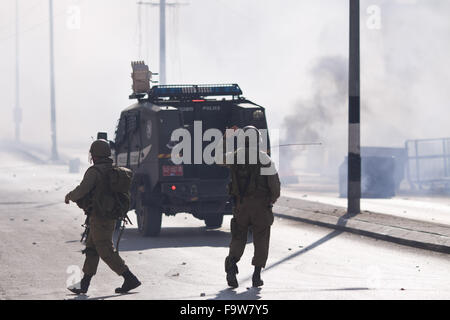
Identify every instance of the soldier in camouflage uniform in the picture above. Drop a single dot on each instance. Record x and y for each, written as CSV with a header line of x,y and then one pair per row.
x,y
99,242
254,195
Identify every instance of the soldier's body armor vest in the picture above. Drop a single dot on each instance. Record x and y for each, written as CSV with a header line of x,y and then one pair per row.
x,y
247,181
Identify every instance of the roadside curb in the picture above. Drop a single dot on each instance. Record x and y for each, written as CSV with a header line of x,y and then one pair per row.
x,y
413,233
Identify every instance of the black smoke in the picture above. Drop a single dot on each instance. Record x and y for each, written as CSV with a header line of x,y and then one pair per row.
x,y
314,120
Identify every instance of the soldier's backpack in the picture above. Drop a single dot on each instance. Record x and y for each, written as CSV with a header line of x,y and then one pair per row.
x,y
112,196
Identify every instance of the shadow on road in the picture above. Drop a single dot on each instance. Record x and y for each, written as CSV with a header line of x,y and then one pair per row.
x,y
231,294
341,223
312,246
86,297
347,289
250,295
174,237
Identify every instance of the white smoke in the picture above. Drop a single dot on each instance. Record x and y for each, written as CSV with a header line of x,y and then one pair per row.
x,y
404,75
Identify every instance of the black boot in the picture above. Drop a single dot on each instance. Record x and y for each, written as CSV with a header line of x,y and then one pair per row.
x,y
231,269
130,283
256,279
83,286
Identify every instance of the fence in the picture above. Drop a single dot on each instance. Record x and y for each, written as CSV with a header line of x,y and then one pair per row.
x,y
428,163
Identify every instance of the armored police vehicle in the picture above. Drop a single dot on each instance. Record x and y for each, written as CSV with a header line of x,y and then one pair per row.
x,y
143,144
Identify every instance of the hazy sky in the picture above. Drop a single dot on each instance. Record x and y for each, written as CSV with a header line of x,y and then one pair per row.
x,y
270,48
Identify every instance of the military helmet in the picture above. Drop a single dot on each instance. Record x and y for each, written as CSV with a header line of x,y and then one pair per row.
x,y
100,149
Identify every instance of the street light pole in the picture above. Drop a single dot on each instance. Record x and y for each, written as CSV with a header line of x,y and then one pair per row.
x,y
54,155
162,42
17,110
162,35
354,139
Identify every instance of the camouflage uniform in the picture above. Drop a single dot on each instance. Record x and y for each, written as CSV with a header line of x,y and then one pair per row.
x,y
254,195
255,187
99,242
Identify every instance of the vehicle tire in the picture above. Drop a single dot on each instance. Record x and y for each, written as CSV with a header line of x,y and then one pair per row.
x,y
214,220
149,221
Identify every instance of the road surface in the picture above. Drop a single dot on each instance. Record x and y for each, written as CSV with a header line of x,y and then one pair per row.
x,y
40,254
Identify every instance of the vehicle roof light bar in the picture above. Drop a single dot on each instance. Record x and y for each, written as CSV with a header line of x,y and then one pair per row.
x,y
192,91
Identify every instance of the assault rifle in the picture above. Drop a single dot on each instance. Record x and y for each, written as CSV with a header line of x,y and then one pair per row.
x,y
85,234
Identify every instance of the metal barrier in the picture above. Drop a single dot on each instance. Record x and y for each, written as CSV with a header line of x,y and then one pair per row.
x,y
382,171
428,162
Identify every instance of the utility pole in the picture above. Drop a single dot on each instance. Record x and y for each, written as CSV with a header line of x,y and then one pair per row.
x,y
354,140
139,19
162,42
54,155
17,110
162,35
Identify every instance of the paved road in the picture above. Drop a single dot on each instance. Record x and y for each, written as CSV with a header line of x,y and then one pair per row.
x,y
40,252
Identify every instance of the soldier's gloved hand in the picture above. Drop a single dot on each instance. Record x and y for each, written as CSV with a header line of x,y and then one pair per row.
x,y
67,200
